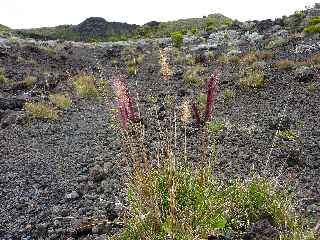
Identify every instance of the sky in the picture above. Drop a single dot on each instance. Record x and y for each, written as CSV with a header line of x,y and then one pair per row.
x,y
40,13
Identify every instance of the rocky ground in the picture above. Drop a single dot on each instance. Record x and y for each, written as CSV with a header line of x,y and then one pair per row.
x,y
63,179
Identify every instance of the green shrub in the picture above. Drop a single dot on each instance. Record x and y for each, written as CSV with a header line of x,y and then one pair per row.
x,y
210,25
85,85
312,28
177,39
118,38
314,21
62,101
300,14
40,110
194,30
183,203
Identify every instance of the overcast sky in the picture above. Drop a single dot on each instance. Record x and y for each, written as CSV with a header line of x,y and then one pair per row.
x,y
38,13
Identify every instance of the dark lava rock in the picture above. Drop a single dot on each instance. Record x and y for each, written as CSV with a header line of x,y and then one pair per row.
x,y
11,103
262,230
304,74
96,173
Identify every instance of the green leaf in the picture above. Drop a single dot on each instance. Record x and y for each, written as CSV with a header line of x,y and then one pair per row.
x,y
219,221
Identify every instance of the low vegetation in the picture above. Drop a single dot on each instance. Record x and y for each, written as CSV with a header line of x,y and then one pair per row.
x,y
184,203
249,58
313,26
276,42
287,134
85,85
132,71
169,199
177,39
312,87
193,76
61,101
3,78
29,81
253,79
41,110
228,95
285,64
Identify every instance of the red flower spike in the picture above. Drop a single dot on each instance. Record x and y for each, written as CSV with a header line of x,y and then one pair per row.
x,y
211,94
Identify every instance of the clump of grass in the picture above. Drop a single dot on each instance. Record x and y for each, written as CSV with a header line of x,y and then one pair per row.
x,y
114,62
264,55
62,101
228,94
312,29
250,58
313,26
29,81
315,59
85,85
234,59
287,134
184,203
190,60
312,88
41,110
314,21
3,78
215,126
193,76
152,99
253,79
132,71
223,59
285,64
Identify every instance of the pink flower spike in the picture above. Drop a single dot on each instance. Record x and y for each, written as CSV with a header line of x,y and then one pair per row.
x,y
211,94
125,103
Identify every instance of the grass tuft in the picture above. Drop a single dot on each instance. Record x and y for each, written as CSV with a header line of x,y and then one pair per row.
x,y
186,203
62,101
41,110
253,79
85,85
3,78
